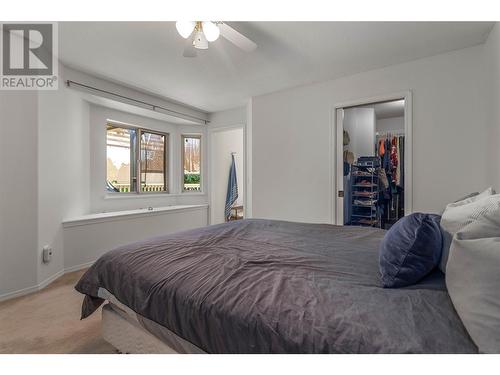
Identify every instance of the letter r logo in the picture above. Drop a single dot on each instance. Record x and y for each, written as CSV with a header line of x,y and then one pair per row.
x,y
27,49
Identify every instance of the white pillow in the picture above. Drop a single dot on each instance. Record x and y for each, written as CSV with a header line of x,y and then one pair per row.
x,y
456,216
472,198
473,280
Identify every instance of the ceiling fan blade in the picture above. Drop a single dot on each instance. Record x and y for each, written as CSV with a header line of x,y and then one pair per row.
x,y
189,50
236,38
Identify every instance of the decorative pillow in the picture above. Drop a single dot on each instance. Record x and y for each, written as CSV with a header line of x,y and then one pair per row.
x,y
473,280
473,197
410,249
456,216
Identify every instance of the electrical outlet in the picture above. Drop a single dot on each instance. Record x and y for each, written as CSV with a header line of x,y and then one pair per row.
x,y
47,254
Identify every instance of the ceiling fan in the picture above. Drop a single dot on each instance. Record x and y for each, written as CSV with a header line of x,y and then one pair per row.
x,y
199,33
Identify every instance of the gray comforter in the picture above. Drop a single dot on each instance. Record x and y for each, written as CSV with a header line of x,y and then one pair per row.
x,y
261,286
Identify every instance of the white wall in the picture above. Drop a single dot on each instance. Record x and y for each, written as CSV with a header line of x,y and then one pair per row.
x,y
86,241
222,143
51,163
360,124
492,48
230,117
125,92
391,124
291,134
63,170
18,190
71,168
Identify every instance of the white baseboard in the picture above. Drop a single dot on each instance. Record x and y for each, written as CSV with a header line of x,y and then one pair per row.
x,y
50,279
18,293
44,283
31,289
78,267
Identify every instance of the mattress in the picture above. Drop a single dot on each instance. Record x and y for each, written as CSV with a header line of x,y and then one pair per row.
x,y
264,286
127,336
130,332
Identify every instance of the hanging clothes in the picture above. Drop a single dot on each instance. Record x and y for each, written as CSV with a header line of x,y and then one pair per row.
x,y
387,157
394,159
383,178
398,167
391,179
381,148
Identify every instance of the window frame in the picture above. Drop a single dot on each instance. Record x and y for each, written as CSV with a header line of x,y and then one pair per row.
x,y
200,137
138,186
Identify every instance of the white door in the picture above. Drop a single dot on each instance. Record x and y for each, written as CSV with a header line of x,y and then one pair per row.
x,y
359,124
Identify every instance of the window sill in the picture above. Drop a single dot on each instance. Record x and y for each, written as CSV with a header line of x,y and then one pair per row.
x,y
146,195
129,214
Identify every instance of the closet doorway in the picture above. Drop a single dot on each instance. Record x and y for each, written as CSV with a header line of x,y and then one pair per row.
x,y
374,157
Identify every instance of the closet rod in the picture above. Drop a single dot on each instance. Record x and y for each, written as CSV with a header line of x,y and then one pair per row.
x,y
385,134
154,107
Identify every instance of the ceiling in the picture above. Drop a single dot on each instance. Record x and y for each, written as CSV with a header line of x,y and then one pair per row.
x,y
148,55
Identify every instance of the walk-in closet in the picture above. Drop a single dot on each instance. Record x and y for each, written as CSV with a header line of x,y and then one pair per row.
x,y
374,164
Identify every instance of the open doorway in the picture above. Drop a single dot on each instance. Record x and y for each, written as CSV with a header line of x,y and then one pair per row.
x,y
374,188
226,145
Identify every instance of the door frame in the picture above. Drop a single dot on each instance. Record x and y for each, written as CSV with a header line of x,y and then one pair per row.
x,y
210,134
336,150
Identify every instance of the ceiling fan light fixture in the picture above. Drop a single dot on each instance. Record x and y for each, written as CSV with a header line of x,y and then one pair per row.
x,y
185,28
199,34
211,31
200,40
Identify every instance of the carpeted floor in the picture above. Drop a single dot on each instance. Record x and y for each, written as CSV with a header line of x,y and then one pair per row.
x,y
48,321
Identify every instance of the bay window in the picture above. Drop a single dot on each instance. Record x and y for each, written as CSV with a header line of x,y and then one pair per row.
x,y
136,160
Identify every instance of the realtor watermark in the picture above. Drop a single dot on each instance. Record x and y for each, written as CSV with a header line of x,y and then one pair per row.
x,y
29,56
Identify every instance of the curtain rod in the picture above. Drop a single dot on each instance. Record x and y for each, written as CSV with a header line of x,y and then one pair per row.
x,y
153,106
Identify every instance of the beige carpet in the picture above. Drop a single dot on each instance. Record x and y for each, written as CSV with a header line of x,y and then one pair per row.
x,y
48,321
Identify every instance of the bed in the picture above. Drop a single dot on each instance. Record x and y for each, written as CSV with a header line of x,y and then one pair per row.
x,y
264,286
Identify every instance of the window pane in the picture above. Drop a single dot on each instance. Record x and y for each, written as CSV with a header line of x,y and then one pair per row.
x,y
192,163
120,155
153,177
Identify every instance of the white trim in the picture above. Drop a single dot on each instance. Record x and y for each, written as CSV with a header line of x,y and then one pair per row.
x,y
44,283
50,279
210,134
32,289
79,267
336,151
129,214
18,293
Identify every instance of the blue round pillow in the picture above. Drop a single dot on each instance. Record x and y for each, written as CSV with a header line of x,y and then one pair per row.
x,y
411,249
